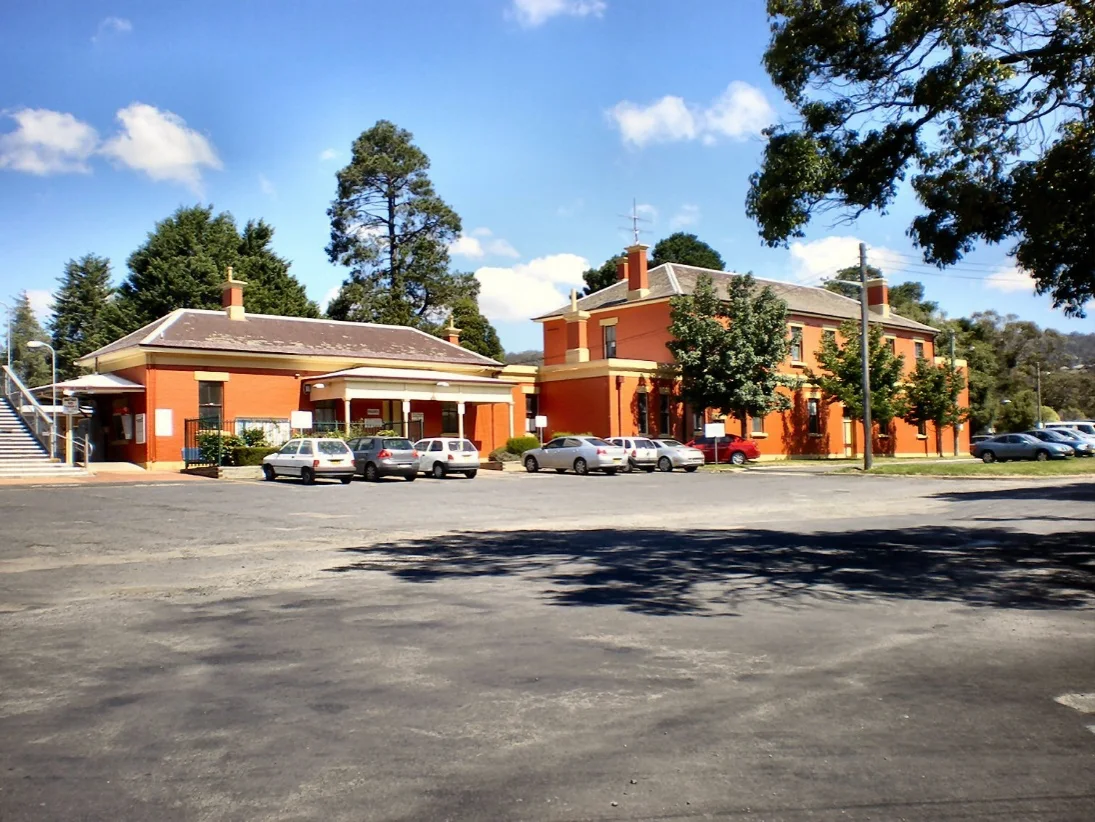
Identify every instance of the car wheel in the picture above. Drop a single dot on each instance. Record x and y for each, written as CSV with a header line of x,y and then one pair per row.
x,y
371,474
737,458
531,465
988,456
411,477
471,474
610,472
268,473
1042,455
690,469
438,471
308,476
665,464
581,467
346,480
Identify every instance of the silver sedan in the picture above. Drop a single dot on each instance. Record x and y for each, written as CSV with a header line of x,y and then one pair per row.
x,y
1019,447
673,454
581,454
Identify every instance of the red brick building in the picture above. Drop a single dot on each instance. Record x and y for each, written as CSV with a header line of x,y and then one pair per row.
x,y
604,372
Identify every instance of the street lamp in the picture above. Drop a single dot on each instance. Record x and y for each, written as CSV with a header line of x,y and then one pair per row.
x,y
53,387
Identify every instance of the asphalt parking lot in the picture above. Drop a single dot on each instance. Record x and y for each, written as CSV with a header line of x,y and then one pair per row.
x,y
747,646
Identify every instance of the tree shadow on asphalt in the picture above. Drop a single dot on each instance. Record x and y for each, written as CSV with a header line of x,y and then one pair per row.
x,y
713,572
1075,492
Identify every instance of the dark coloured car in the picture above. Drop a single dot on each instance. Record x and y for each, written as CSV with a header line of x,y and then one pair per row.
x,y
1067,436
731,448
377,457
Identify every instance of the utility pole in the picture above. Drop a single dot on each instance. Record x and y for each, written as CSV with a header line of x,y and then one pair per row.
x,y
864,342
1038,365
955,426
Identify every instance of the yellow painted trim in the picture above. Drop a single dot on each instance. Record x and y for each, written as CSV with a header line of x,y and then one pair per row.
x,y
211,376
760,435
609,321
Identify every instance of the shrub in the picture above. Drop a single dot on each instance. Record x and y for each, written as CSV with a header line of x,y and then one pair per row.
x,y
519,445
253,437
215,447
251,454
502,455
387,432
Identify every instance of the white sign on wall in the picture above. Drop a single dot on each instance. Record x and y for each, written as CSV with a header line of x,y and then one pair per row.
x,y
418,416
714,429
541,421
163,425
300,419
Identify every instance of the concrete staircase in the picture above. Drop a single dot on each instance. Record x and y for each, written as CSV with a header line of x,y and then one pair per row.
x,y
21,455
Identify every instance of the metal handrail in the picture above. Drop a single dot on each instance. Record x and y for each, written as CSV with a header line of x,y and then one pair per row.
x,y
36,419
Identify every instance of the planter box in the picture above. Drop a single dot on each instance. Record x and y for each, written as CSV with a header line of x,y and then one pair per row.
x,y
242,472
503,466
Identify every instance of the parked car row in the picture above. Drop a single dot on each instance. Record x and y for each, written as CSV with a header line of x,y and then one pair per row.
x,y
583,454
1056,441
372,458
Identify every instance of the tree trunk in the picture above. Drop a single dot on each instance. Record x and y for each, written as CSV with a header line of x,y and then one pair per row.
x,y
938,438
394,274
744,424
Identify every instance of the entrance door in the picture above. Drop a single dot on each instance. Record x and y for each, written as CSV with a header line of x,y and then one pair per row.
x,y
848,445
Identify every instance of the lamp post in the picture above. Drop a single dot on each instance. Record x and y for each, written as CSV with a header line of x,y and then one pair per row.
x,y
53,387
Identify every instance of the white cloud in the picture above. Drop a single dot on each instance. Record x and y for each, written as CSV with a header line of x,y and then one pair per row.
x,y
688,215
325,300
159,144
529,289
327,154
110,26
740,112
818,259
647,211
1010,278
41,303
267,186
47,142
482,243
532,13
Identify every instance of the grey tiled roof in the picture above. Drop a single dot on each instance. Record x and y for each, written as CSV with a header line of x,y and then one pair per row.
x,y
203,330
671,279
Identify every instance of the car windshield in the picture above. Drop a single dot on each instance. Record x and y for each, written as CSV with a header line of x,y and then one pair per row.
x,y
398,445
600,443
332,447
671,443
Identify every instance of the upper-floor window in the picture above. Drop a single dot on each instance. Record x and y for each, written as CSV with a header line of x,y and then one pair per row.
x,y
918,349
609,332
828,335
891,344
796,343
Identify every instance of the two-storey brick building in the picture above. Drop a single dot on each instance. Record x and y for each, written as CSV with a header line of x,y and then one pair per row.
x,y
605,358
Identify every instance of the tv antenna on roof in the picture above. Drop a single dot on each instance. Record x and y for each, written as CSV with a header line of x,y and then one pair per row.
x,y
635,219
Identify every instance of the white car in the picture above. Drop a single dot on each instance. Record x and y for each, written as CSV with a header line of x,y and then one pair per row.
x,y
641,453
441,456
673,454
311,459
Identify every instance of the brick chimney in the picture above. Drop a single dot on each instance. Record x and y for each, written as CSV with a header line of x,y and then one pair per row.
x,y
232,296
577,331
621,269
878,296
638,279
452,333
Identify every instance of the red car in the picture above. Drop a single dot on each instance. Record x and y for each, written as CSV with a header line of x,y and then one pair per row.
x,y
732,449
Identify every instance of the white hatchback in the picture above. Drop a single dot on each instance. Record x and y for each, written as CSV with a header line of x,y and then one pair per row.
x,y
441,456
310,459
641,453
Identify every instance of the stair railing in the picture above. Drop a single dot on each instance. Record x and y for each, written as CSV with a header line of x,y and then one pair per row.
x,y
29,410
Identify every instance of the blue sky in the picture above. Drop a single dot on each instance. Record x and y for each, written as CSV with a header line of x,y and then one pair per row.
x,y
543,120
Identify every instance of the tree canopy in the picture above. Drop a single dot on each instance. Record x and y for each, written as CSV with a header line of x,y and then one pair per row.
x,y
476,332
686,249
183,262
906,299
392,231
989,106
599,278
841,374
728,354
85,315
32,365
931,395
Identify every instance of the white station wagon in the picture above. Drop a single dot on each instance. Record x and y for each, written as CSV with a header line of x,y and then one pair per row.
x,y
441,456
310,459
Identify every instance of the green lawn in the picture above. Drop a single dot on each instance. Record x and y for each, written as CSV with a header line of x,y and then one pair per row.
x,y
1052,468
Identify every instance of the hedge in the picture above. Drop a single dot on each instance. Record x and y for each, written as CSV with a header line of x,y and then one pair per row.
x,y
251,455
519,445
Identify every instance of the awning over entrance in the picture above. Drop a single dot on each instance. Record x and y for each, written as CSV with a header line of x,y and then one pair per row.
x,y
93,384
371,383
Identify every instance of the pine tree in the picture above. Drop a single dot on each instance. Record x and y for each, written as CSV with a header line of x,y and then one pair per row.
x,y
389,227
32,365
476,332
84,317
931,396
842,376
183,263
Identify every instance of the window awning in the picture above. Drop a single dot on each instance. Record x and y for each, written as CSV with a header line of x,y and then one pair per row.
x,y
373,383
92,384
